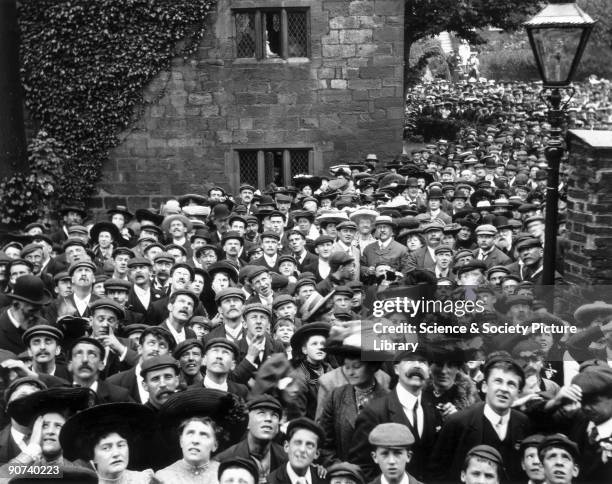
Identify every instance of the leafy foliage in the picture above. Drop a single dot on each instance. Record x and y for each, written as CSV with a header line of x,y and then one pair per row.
x,y
84,67
427,18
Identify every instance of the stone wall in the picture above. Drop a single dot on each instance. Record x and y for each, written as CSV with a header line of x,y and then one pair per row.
x,y
589,217
342,102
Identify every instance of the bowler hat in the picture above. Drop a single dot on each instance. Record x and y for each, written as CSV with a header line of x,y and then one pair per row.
x,y
30,289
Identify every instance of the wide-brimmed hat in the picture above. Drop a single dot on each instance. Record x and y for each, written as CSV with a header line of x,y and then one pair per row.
x,y
122,210
30,289
225,267
64,209
76,434
109,227
363,212
149,214
57,399
226,409
171,218
305,332
301,181
314,305
588,312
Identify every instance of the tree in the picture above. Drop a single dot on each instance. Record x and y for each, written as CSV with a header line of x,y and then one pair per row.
x,y
426,18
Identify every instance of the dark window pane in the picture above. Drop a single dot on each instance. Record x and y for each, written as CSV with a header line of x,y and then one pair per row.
x,y
248,167
299,162
272,29
274,167
245,34
297,34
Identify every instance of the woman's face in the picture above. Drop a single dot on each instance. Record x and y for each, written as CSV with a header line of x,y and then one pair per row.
x,y
104,239
111,455
220,281
307,191
119,220
197,442
414,243
314,348
357,372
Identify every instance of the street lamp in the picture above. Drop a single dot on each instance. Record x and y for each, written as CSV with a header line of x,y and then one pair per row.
x,y
558,35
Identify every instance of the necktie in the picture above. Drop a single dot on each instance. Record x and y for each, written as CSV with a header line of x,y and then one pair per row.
x,y
415,418
499,428
301,480
593,435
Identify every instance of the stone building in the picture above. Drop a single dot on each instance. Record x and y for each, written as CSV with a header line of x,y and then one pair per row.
x,y
276,88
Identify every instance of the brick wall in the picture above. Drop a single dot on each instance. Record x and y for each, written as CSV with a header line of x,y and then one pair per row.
x,y
343,102
589,218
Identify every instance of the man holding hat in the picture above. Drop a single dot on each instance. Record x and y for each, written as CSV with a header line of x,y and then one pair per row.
x,y
306,261
82,273
391,444
28,298
342,270
303,440
486,236
259,444
141,294
386,249
425,257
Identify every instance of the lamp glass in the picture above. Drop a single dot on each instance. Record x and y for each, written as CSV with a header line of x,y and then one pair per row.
x,y
556,49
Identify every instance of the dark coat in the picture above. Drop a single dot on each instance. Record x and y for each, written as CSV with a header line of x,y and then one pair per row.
x,y
389,409
189,334
10,336
421,259
232,387
109,393
495,258
8,447
578,345
136,305
309,264
280,476
278,456
114,365
127,379
61,304
338,419
464,430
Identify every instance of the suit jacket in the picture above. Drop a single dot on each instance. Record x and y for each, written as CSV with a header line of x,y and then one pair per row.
x,y
232,387
189,334
495,258
10,336
114,365
62,304
421,259
338,417
442,215
309,264
136,305
395,254
464,430
109,393
389,409
8,447
278,456
127,379
261,261
280,476
353,252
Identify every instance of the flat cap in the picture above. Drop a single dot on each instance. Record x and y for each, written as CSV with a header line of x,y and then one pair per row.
x,y
249,308
443,248
163,257
560,441
323,239
187,345
256,271
117,284
240,462
105,303
391,435
268,234
338,259
486,452
347,224
346,469
282,299
474,264
229,292
42,330
531,441
308,424
486,229
224,343
139,261
265,401
158,362
594,380
81,263
528,243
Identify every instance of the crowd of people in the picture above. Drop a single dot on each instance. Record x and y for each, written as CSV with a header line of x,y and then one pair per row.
x,y
221,338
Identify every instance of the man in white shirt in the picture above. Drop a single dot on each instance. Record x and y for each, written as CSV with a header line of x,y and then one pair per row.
x,y
261,283
220,358
444,256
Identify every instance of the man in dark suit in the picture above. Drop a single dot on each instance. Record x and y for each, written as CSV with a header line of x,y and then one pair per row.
x,y
269,244
154,341
180,310
425,257
27,300
264,420
306,261
302,446
486,236
43,342
86,363
142,295
71,215
220,358
406,405
492,423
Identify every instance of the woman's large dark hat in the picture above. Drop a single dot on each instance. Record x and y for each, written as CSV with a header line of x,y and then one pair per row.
x,y
77,432
301,181
225,409
109,227
57,399
303,333
223,266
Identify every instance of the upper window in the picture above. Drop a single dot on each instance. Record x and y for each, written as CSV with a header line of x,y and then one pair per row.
x,y
272,33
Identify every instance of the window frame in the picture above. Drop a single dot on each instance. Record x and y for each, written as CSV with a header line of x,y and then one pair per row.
x,y
259,29
234,163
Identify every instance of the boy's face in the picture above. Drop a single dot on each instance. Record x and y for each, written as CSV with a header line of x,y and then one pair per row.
x,y
392,461
480,471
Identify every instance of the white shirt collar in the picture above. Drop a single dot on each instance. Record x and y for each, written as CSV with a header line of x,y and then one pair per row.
x,y
179,337
144,295
604,430
406,398
19,438
404,480
142,393
208,383
12,319
81,304
270,260
494,417
294,477
386,243
324,268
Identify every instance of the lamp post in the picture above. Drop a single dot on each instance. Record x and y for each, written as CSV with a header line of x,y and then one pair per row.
x,y
558,35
